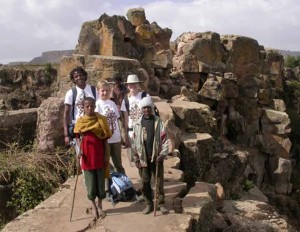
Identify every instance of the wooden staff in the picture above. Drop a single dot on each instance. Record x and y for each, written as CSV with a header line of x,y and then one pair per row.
x,y
155,191
72,207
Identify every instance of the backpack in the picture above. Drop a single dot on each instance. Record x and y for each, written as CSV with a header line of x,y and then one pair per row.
x,y
71,126
144,94
120,188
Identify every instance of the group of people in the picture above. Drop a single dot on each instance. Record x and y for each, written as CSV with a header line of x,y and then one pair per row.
x,y
98,116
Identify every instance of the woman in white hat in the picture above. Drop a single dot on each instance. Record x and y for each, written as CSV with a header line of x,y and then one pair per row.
x,y
130,105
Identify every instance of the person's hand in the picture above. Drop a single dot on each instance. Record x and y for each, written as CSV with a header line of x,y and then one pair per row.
x,y
105,161
79,155
127,143
67,141
160,158
138,164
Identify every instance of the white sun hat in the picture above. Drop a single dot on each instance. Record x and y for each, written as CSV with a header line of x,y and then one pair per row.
x,y
133,78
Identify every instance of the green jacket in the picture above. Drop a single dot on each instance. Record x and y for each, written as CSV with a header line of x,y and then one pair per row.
x,y
160,143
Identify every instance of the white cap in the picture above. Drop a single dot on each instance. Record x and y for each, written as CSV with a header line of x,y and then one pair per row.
x,y
146,101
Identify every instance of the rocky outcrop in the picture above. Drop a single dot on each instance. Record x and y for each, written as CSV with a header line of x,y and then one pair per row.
x,y
134,38
27,87
50,125
238,79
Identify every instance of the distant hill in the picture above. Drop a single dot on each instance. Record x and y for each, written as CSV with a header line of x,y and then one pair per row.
x,y
53,57
289,53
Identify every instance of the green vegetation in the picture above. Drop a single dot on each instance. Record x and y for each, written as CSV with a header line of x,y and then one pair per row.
x,y
292,100
292,61
34,176
248,185
234,196
292,93
48,74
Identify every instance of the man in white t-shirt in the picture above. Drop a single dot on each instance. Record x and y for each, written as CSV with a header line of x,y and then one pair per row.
x,y
73,107
132,111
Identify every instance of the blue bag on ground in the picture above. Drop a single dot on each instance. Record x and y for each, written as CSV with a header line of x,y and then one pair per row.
x,y
121,188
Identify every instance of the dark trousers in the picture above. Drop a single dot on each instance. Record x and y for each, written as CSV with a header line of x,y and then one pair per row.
x,y
115,155
148,174
94,181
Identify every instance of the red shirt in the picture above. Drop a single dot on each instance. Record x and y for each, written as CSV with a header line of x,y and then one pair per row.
x,y
93,152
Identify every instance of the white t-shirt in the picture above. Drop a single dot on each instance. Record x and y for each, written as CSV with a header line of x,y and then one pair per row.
x,y
109,109
81,93
134,110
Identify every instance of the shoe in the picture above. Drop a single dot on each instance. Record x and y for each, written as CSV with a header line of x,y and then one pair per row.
x,y
148,209
163,210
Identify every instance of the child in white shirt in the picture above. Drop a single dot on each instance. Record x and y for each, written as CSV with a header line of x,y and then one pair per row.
x,y
109,109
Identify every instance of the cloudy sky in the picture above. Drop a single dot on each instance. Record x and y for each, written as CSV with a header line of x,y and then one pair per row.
x,y
30,27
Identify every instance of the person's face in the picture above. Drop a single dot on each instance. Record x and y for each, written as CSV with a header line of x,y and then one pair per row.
x,y
147,111
104,93
133,87
88,108
117,83
79,79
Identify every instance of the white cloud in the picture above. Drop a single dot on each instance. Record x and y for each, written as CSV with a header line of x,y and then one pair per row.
x,y
30,27
273,23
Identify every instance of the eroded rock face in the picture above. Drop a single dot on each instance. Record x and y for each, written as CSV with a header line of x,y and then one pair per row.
x,y
238,79
26,87
50,133
134,38
18,126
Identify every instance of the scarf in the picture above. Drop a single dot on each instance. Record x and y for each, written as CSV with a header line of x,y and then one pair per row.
x,y
91,123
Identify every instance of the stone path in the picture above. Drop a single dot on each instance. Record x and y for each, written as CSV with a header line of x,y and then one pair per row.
x,y
54,213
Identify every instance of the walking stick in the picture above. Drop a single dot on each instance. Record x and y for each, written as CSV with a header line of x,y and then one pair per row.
x,y
155,191
72,207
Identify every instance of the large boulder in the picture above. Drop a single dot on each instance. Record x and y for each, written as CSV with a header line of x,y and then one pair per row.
x,y
196,150
227,168
193,116
199,52
136,16
200,204
50,125
243,54
276,122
